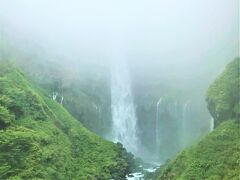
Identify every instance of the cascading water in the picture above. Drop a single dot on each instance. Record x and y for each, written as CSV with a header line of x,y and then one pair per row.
x,y
54,96
124,125
185,122
157,128
211,124
62,98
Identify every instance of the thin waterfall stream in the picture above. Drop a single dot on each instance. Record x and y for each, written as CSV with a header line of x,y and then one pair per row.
x,y
157,128
211,124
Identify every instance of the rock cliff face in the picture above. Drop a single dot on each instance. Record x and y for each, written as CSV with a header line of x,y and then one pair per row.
x,y
217,155
223,96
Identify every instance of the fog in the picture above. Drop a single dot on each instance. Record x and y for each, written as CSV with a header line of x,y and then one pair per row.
x,y
181,45
159,34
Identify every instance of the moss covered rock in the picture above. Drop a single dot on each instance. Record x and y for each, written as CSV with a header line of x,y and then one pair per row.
x,y
217,155
223,96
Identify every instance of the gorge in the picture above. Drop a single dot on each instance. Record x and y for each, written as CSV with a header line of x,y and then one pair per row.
x,y
119,90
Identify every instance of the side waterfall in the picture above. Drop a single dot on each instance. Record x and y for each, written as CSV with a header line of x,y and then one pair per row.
x,y
157,128
185,121
211,124
124,126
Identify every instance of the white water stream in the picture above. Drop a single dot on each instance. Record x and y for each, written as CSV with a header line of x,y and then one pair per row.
x,y
211,124
124,125
157,129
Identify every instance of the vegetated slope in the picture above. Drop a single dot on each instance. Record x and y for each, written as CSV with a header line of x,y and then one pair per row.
x,y
74,84
40,139
223,96
217,155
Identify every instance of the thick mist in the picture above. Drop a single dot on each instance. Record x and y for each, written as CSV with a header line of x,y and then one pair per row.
x,y
172,40
172,49
167,34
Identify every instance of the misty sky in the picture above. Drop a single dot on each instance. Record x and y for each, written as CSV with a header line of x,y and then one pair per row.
x,y
180,36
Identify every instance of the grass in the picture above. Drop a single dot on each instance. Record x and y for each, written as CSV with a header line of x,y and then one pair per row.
x,y
217,156
39,139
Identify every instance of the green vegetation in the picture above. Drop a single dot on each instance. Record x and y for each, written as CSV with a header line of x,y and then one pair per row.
x,y
217,155
89,102
39,139
5,117
86,94
223,96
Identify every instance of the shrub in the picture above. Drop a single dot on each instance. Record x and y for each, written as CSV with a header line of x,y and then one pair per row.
x,y
5,118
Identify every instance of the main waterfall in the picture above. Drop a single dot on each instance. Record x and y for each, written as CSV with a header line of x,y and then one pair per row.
x,y
124,127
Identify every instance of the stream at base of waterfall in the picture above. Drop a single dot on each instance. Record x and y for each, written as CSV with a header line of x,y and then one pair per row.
x,y
140,175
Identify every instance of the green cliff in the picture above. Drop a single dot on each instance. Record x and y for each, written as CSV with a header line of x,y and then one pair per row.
x,y
217,155
39,139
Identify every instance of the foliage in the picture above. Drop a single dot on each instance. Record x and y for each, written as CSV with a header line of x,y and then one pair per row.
x,y
217,155
86,94
39,139
223,96
5,117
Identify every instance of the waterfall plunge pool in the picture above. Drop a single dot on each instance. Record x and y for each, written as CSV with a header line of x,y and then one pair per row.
x,y
140,175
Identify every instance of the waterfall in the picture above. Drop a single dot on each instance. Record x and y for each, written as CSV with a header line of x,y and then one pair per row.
x,y
184,116
157,128
54,96
211,124
61,102
185,122
124,126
